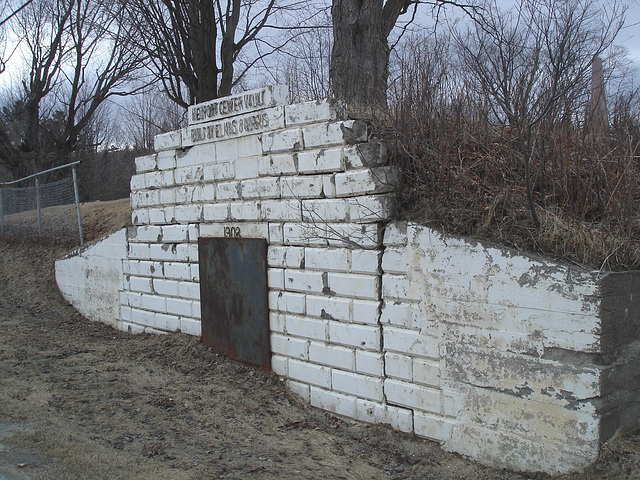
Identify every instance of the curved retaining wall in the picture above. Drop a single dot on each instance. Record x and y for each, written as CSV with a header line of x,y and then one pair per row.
x,y
515,361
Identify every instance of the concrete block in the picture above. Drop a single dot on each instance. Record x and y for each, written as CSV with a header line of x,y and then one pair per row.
x,y
366,337
411,395
281,210
305,327
277,165
309,186
370,363
333,402
399,366
268,187
290,346
366,181
327,259
366,311
330,308
361,386
354,285
246,167
331,355
282,141
320,161
167,141
310,373
144,164
410,342
314,111
325,210
373,412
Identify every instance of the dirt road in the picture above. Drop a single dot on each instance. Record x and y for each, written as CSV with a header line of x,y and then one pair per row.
x,y
79,400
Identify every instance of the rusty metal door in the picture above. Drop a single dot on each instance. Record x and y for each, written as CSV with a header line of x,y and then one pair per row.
x,y
233,297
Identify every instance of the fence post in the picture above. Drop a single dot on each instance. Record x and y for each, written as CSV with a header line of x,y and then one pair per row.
x,y
77,195
38,206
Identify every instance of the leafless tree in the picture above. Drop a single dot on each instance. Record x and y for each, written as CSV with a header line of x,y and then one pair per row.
x,y
195,46
535,60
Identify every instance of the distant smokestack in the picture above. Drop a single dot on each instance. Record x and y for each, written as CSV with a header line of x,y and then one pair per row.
x,y
599,119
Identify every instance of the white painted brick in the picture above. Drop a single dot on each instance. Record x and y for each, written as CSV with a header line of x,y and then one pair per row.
x,y
140,284
361,336
399,366
177,270
166,160
246,167
184,193
331,355
290,346
186,157
300,389
395,260
332,308
372,208
168,196
281,210
310,373
197,310
137,182
308,186
165,287
217,212
179,306
333,133
175,233
426,372
277,322
281,257
412,396
366,311
226,150
167,141
188,213
353,234
329,160
276,165
148,233
189,290
366,181
153,303
287,301
261,188
144,164
359,385
410,342
327,259
166,322
275,278
217,172
189,174
194,272
314,111
396,313
303,281
244,211
365,261
329,186
228,191
398,418
205,154
305,327
139,251
370,363
276,233
125,313
354,285
286,140
143,317
305,234
187,252
280,365
433,427
140,217
249,146
149,269
158,215
190,326
204,193
398,287
166,251
333,402
373,154
325,210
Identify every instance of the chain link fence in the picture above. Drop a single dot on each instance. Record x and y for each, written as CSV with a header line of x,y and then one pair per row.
x,y
17,197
